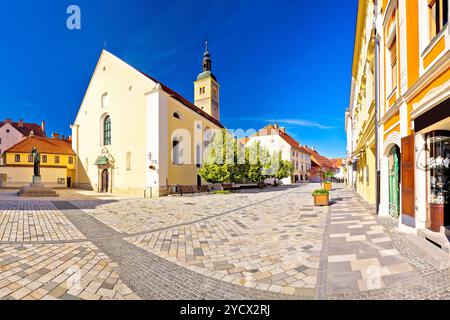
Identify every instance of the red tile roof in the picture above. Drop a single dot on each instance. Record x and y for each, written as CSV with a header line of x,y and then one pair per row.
x,y
26,128
270,129
43,145
184,101
320,160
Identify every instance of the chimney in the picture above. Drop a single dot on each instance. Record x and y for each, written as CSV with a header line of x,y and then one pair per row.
x,y
20,123
8,121
55,135
283,129
276,126
43,126
63,137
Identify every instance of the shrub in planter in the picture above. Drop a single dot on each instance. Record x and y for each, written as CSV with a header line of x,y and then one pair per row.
x,y
321,197
327,184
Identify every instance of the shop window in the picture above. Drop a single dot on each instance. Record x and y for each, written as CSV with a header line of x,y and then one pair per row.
x,y
438,143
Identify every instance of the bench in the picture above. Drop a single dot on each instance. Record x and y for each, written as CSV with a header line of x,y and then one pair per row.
x,y
188,189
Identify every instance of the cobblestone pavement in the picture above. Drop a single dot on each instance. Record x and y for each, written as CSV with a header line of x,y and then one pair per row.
x,y
275,249
62,271
251,245
359,253
144,215
34,221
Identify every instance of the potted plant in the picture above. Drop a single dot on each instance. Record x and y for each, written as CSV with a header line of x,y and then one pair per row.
x,y
321,197
327,184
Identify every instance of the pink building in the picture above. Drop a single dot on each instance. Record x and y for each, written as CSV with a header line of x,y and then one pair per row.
x,y
12,133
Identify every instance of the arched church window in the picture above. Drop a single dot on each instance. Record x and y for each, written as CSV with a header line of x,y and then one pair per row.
x,y
176,150
199,156
107,131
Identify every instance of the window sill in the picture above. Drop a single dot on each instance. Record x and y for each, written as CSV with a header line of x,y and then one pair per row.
x,y
435,40
392,94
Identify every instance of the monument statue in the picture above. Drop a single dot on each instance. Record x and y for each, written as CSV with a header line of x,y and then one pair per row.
x,y
37,162
36,188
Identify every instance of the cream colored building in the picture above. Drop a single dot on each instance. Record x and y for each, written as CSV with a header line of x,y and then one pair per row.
x,y
275,139
133,134
360,117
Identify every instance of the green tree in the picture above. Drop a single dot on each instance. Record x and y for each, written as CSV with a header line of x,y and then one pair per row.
x,y
279,168
215,173
259,163
218,165
285,170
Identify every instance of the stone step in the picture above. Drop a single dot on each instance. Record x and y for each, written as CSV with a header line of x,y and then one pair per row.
x,y
438,238
37,191
439,258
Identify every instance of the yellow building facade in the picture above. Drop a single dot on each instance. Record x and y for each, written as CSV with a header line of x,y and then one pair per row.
x,y
360,116
57,163
135,135
414,116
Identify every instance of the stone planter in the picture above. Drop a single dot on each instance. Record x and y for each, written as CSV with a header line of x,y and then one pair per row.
x,y
322,200
327,186
437,217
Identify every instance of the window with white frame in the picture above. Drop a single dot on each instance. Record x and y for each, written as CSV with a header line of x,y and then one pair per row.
x,y
393,55
438,16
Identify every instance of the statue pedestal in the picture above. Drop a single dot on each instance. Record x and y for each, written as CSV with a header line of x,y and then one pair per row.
x,y
37,180
37,189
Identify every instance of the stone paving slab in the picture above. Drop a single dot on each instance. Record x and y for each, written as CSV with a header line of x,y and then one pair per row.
x,y
143,215
255,246
152,277
34,221
357,259
61,271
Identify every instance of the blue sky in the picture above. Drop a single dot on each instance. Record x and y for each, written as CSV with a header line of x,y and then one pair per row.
x,y
288,61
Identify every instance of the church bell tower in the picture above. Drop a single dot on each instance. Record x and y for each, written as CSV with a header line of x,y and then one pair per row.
x,y
206,88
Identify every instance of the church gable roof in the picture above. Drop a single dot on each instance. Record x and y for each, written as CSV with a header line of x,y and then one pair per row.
x,y
184,101
165,88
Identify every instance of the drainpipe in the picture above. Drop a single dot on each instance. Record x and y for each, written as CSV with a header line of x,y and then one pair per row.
x,y
377,78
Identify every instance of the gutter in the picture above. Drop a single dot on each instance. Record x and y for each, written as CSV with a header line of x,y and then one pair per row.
x,y
377,78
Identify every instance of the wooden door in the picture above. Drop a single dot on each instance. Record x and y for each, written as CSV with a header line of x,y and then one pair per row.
x,y
105,180
408,198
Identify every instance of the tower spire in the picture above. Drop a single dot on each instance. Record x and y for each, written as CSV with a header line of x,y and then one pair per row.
x,y
206,88
206,63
